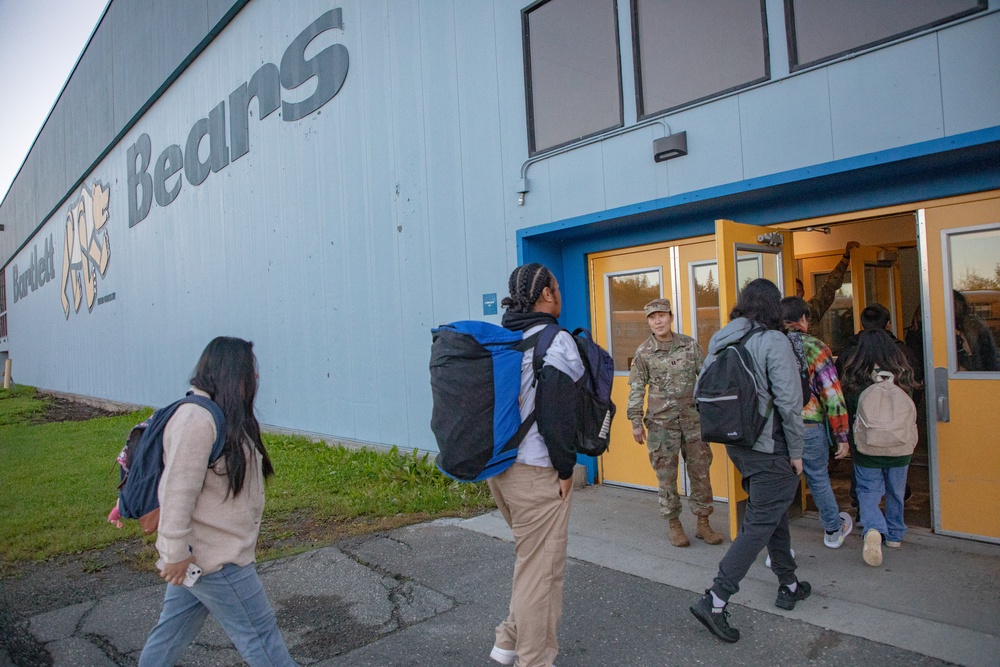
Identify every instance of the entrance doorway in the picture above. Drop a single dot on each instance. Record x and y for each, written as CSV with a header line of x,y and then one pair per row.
x,y
932,264
885,270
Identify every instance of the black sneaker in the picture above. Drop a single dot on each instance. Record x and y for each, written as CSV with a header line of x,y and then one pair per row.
x,y
716,620
787,599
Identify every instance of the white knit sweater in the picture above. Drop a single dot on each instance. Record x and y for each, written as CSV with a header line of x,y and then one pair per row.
x,y
196,517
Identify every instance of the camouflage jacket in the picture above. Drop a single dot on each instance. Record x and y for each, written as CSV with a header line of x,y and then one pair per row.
x,y
670,370
823,299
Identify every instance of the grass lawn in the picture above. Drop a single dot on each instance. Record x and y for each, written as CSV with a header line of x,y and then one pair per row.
x,y
58,482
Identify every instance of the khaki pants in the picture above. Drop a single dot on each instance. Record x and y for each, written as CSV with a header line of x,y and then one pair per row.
x,y
528,498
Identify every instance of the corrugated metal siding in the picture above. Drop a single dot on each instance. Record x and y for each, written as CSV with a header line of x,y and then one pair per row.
x,y
138,44
90,132
340,239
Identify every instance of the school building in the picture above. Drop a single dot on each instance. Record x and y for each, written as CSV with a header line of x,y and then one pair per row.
x,y
332,179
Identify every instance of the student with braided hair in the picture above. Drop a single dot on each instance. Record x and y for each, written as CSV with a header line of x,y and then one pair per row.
x,y
534,494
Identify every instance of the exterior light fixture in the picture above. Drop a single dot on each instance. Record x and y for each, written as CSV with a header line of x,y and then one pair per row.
x,y
669,147
522,189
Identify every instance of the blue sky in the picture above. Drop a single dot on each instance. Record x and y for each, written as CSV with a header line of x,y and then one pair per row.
x,y
40,42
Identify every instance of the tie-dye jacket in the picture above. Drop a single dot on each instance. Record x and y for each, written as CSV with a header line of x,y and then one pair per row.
x,y
827,398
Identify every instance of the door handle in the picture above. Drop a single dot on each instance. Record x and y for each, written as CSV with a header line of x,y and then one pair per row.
x,y
941,394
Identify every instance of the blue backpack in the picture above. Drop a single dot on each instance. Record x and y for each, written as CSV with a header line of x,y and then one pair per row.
x,y
476,383
141,461
476,386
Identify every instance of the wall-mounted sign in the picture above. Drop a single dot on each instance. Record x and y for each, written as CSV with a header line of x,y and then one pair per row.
x,y
329,67
85,257
41,269
87,250
490,304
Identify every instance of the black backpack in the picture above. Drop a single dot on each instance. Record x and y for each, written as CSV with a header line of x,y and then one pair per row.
x,y
726,396
594,407
141,461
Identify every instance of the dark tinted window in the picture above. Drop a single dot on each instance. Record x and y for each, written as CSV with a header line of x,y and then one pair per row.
x,y
819,30
573,70
688,50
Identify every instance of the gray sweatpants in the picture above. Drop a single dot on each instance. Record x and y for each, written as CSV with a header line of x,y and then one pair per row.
x,y
770,484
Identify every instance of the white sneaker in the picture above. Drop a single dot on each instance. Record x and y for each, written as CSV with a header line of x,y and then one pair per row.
x,y
872,552
767,561
503,656
846,526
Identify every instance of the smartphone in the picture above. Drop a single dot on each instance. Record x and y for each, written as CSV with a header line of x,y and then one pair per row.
x,y
193,572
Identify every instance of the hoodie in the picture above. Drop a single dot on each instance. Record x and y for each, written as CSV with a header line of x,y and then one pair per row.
x,y
551,441
776,368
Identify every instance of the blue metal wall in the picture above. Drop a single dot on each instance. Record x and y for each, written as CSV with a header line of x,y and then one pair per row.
x,y
340,239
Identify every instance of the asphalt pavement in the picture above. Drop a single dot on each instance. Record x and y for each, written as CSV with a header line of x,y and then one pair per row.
x,y
431,594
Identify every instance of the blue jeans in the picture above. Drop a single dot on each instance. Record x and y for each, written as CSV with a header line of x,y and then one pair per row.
x,y
236,598
873,483
815,462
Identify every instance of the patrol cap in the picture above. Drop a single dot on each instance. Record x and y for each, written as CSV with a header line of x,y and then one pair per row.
x,y
657,306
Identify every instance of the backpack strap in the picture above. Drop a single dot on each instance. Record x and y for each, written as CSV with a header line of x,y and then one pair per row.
x,y
547,335
220,422
529,342
588,368
748,335
742,342
879,375
545,338
515,440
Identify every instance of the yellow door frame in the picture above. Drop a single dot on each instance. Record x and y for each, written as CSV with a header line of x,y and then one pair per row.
x,y
730,238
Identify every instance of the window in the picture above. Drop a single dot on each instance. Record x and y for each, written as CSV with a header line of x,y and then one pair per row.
x,y
690,50
572,71
627,295
975,281
822,30
706,300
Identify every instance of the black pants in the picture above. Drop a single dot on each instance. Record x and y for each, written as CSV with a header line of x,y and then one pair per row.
x,y
770,484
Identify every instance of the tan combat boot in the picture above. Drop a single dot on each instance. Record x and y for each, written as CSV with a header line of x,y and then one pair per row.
x,y
704,532
677,536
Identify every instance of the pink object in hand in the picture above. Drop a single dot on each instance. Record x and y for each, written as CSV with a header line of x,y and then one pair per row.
x,y
114,517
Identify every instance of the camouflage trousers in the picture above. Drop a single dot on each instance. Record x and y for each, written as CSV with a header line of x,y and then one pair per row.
x,y
667,441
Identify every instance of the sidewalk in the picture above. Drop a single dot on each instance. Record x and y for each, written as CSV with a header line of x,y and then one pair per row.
x,y
431,594
936,596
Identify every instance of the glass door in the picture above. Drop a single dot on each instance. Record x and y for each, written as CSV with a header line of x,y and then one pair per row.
x,y
698,288
622,283
960,247
747,252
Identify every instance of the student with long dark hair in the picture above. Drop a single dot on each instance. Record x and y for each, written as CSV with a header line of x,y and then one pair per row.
x,y
877,476
210,516
533,495
771,468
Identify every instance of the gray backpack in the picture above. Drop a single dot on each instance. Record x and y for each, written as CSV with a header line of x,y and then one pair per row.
x,y
886,422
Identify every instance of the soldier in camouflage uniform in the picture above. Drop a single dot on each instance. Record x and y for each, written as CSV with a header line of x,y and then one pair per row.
x,y
823,299
669,363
